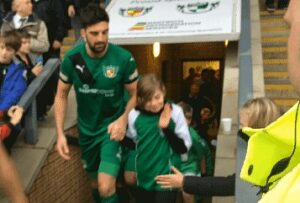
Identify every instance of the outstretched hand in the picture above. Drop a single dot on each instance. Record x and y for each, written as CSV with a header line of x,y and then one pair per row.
x,y
165,116
170,180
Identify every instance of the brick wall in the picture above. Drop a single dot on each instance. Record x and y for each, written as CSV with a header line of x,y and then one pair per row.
x,y
171,59
61,181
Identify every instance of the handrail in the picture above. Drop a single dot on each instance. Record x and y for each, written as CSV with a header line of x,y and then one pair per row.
x,y
244,192
28,100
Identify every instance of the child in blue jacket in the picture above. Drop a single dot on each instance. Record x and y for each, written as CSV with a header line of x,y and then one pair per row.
x,y
12,73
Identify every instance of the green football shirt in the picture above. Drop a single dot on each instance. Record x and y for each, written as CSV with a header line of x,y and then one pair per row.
x,y
154,155
101,102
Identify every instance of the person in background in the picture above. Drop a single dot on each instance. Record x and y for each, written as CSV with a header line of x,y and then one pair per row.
x,y
52,13
12,73
257,112
196,101
33,68
188,81
74,7
23,18
198,154
12,77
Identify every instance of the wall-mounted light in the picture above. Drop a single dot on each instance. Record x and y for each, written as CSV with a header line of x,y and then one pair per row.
x,y
156,49
226,43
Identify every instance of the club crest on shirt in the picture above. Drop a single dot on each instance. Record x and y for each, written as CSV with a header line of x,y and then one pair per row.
x,y
110,71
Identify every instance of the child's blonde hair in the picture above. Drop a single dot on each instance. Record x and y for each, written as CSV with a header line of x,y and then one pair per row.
x,y
146,87
261,112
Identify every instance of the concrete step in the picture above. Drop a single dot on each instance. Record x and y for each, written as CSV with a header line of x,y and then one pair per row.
x,y
275,55
274,27
69,41
274,49
278,81
275,14
279,87
276,34
276,67
276,74
274,43
283,94
275,23
284,104
275,61
275,19
274,39
65,48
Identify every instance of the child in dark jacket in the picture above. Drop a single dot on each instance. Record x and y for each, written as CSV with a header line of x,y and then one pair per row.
x,y
29,60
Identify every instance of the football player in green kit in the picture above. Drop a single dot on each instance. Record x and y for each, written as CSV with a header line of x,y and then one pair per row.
x,y
161,141
100,72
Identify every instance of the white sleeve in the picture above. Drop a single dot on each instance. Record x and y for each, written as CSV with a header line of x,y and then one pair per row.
x,y
181,127
131,131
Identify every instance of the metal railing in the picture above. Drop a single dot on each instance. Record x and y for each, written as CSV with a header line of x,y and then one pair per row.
x,y
28,100
244,192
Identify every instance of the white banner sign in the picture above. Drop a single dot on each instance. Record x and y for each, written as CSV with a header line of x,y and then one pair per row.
x,y
167,20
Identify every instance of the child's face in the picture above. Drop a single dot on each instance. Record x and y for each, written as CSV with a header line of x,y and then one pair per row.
x,y
25,46
156,103
205,114
6,53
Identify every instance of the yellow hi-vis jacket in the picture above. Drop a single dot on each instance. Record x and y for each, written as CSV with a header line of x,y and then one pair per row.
x,y
269,145
287,190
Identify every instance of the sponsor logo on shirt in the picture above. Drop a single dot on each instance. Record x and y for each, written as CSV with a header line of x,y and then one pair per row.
x,y
110,71
85,89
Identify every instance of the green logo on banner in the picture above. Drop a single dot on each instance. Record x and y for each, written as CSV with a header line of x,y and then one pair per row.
x,y
196,8
135,11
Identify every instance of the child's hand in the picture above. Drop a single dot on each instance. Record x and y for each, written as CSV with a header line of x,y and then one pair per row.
x,y
37,69
15,113
165,116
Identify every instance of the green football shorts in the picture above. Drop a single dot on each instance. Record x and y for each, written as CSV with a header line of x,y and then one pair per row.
x,y
99,154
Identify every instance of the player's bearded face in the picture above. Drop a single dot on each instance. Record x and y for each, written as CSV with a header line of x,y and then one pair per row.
x,y
97,47
96,37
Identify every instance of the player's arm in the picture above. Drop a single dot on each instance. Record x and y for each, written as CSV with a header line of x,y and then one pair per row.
x,y
117,129
60,107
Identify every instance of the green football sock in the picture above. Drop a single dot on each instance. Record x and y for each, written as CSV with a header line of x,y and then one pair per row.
x,y
96,196
111,199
